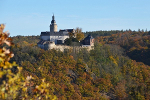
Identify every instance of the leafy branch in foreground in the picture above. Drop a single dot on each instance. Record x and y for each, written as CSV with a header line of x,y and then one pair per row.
x,y
12,84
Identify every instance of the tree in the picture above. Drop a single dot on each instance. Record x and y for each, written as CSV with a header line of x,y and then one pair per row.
x,y
69,41
71,34
13,85
79,34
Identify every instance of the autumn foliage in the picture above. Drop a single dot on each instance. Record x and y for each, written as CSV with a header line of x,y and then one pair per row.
x,y
12,84
136,44
100,74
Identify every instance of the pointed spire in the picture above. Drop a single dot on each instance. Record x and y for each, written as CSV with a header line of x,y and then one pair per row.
x,y
53,17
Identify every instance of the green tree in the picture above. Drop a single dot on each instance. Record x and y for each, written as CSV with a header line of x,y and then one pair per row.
x,y
69,41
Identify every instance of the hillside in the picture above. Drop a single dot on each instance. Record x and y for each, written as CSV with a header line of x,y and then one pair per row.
x,y
103,33
26,40
136,44
103,73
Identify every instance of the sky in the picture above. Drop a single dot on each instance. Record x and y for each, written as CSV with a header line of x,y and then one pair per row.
x,y
30,17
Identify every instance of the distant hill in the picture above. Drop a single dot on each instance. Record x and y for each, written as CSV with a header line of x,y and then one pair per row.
x,y
26,40
102,33
136,44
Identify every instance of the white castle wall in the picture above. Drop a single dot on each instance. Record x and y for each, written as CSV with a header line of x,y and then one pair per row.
x,y
54,38
52,45
57,47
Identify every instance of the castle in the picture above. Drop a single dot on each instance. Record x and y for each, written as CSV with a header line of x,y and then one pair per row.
x,y
54,39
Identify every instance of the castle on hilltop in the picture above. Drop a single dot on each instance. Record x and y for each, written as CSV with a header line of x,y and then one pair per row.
x,y
54,39
53,35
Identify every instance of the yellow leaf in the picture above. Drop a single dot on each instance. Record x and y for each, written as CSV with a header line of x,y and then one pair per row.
x,y
1,74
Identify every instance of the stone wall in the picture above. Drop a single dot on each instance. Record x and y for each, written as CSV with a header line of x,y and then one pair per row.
x,y
64,47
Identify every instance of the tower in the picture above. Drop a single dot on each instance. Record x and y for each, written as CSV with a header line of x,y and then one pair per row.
x,y
53,25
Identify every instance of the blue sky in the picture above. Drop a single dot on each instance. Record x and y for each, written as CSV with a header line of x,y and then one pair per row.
x,y
30,17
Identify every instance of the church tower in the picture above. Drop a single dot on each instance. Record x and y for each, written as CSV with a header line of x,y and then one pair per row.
x,y
53,25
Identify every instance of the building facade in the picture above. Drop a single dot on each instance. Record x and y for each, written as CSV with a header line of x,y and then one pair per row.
x,y
53,39
88,41
53,35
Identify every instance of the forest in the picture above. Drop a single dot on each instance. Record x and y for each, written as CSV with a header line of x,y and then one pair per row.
x,y
118,68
